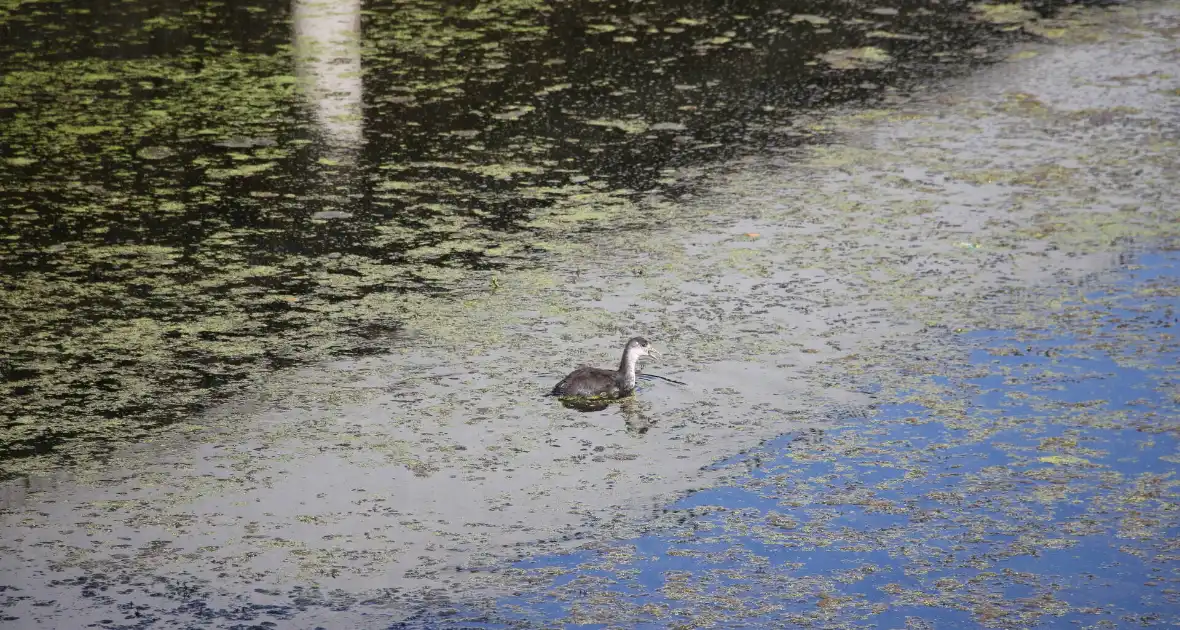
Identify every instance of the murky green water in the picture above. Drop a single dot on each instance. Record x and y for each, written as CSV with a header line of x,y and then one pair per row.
x,y
197,193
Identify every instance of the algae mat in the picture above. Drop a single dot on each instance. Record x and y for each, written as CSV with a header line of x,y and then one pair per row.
x,y
196,194
1032,484
798,282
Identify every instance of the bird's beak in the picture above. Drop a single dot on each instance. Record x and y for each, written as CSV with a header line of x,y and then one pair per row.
x,y
655,354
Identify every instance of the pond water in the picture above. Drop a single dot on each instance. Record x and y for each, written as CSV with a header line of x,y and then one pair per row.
x,y
197,194
284,285
1046,499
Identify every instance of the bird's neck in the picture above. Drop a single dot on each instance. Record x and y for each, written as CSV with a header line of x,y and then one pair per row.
x,y
627,370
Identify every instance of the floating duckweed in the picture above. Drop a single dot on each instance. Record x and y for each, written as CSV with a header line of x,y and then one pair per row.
x,y
155,153
506,171
851,58
628,126
245,170
1004,13
810,19
1065,460
87,130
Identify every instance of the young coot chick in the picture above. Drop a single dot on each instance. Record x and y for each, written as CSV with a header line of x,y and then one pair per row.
x,y
589,381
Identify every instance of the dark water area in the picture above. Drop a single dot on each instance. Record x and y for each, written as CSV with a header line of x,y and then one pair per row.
x,y
1034,487
195,194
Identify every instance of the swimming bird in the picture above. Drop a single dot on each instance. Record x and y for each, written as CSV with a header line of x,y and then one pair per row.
x,y
589,381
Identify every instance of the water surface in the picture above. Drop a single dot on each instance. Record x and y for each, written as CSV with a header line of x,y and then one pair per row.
x,y
795,285
1032,485
196,194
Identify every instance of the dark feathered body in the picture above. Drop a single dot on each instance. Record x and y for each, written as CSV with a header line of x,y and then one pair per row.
x,y
589,381
592,381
